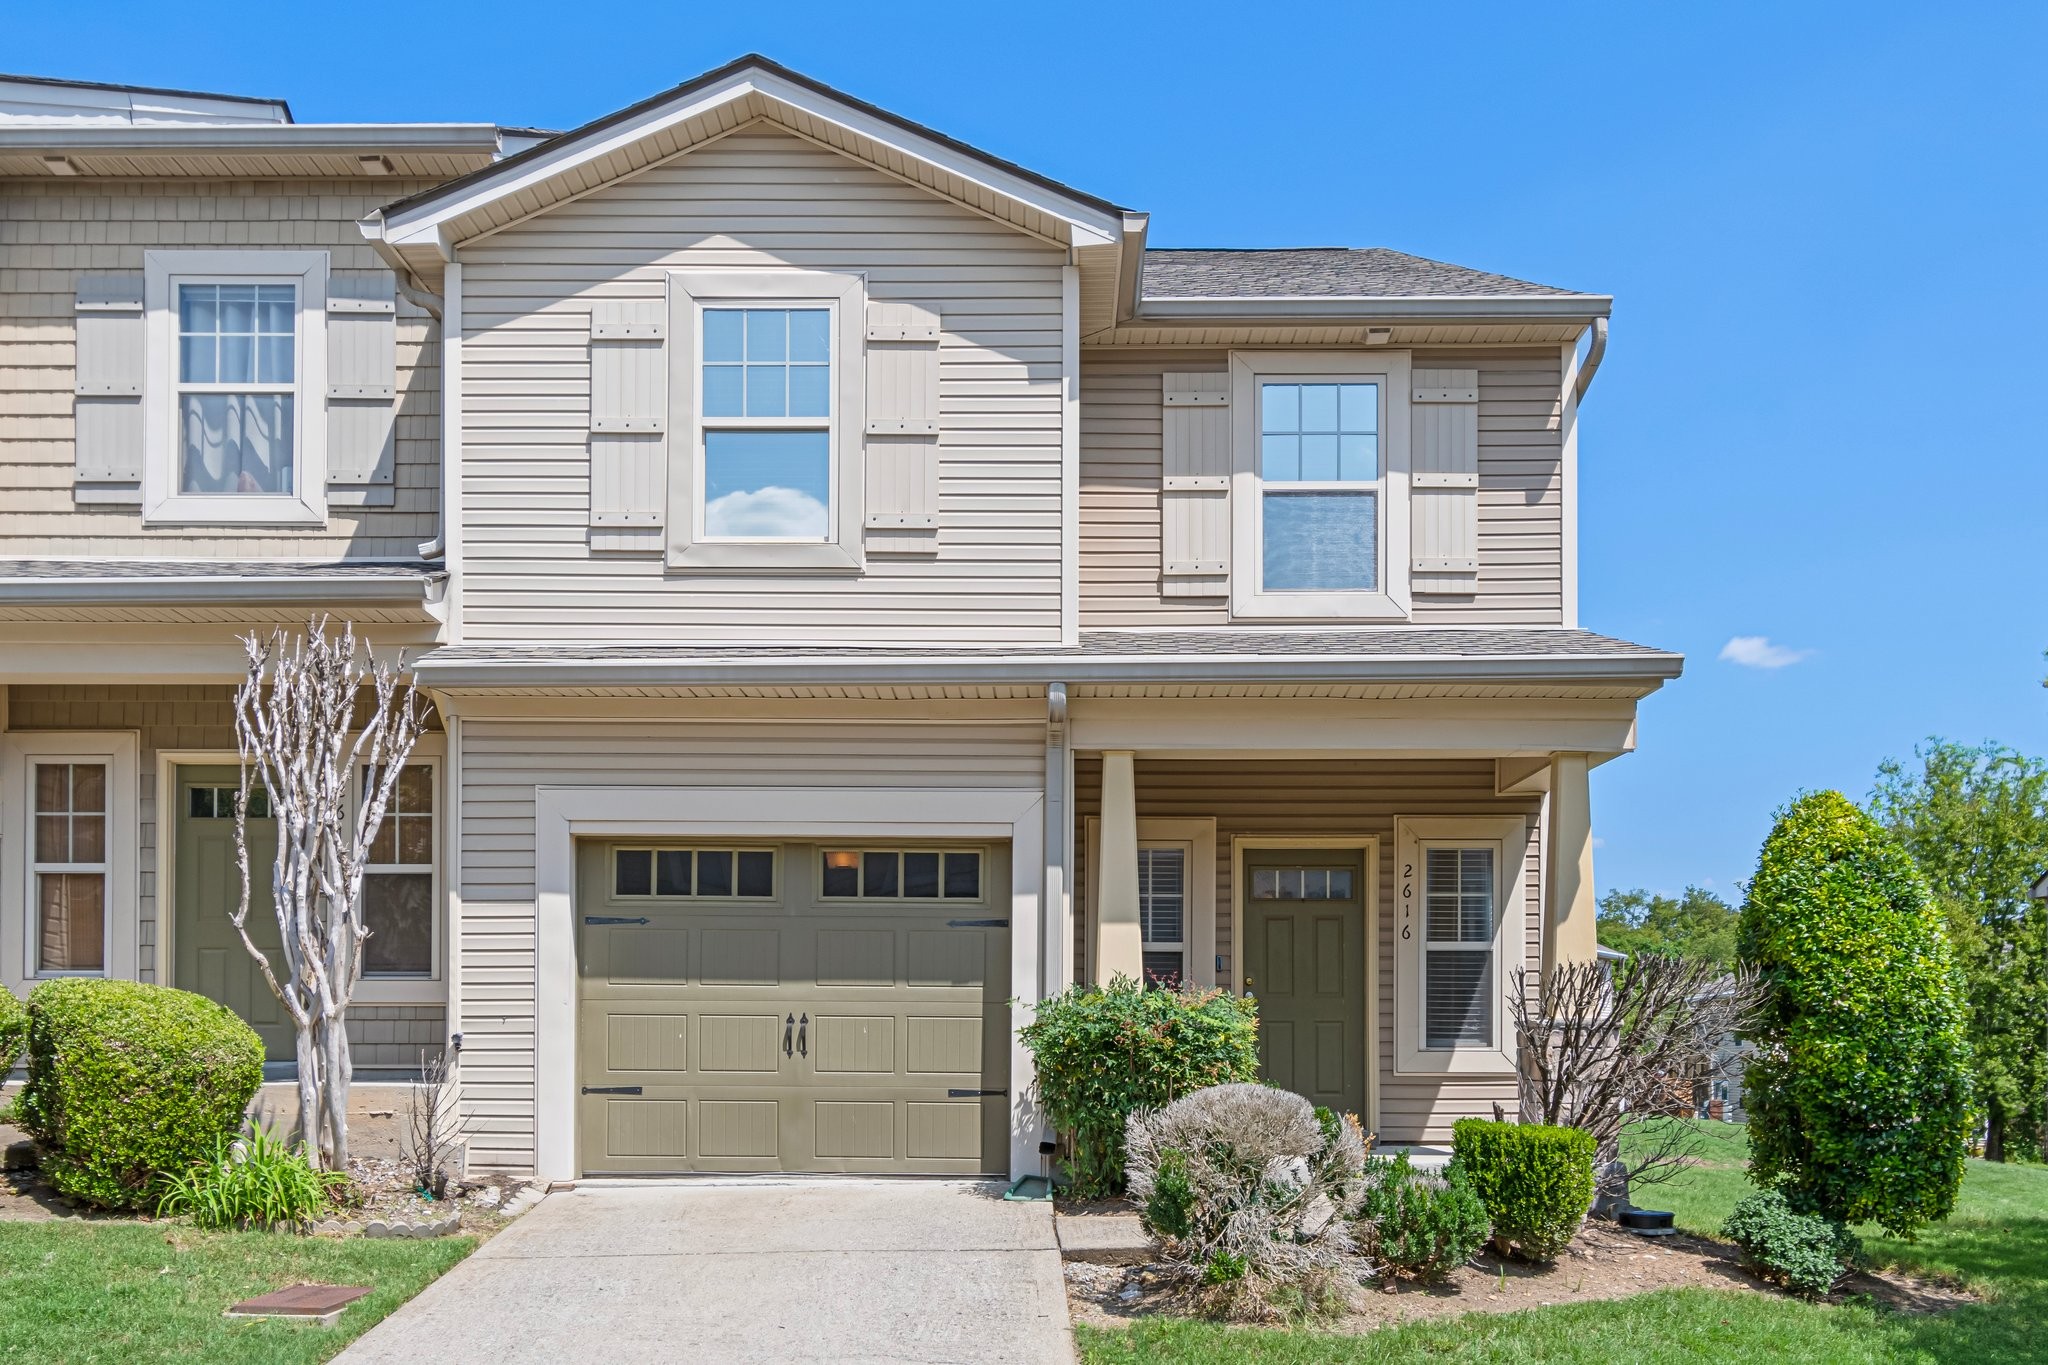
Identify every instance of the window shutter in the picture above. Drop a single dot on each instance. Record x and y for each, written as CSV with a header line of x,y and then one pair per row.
x,y
362,387
107,406
628,425
1444,481
902,429
1194,496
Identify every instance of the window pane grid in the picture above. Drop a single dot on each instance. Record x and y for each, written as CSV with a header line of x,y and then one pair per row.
x,y
237,374
1302,884
694,873
767,459
1162,915
398,879
899,874
69,867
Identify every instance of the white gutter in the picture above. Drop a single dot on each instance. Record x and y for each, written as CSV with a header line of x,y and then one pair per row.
x,y
1465,307
220,589
1596,350
248,138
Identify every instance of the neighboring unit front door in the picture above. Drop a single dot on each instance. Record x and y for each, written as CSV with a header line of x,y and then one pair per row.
x,y
1304,961
210,956
794,1007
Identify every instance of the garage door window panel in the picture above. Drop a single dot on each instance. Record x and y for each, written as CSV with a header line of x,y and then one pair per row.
x,y
900,874
694,873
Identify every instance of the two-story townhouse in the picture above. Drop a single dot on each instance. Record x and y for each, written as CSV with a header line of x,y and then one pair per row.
x,y
863,589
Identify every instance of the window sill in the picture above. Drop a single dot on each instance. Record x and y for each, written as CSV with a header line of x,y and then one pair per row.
x,y
253,511
400,990
737,557
1463,1061
1248,605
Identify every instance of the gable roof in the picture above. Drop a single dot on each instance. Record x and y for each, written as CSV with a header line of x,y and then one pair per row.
x,y
1322,272
708,106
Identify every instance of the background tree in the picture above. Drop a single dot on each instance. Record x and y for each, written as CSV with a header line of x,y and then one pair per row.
x,y
1698,926
1976,821
311,713
1858,1092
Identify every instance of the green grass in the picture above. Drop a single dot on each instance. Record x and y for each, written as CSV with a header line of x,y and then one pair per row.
x,y
1997,1242
76,1293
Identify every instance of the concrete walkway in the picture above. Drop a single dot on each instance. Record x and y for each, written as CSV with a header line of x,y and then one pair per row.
x,y
846,1271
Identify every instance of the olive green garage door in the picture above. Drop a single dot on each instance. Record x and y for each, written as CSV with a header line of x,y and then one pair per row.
x,y
793,1007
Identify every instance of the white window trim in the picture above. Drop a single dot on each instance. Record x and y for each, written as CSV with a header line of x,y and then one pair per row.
x,y
1390,370
21,751
411,981
162,504
1197,834
690,293
1509,836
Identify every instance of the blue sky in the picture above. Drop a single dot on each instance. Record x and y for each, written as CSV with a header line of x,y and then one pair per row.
x,y
1821,421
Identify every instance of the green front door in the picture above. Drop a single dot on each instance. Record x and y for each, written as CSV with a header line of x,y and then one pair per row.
x,y
209,955
1304,961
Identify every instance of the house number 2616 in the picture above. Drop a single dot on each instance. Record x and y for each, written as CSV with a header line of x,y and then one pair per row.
x,y
1407,900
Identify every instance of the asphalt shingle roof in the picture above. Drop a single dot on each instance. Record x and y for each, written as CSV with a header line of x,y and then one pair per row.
x,y
1321,272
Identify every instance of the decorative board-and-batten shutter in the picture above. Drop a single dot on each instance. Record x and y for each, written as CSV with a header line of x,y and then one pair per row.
x,y
902,434
362,388
107,403
628,425
1194,495
1444,482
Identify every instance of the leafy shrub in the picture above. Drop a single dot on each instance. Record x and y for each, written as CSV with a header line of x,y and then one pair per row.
x,y
1248,1187
1858,1092
1535,1180
13,1030
127,1082
1103,1053
258,1181
1415,1223
1805,1253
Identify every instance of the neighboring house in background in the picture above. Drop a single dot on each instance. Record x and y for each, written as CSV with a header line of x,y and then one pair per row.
x,y
861,584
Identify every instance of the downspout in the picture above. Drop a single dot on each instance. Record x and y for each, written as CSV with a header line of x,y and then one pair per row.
x,y
434,306
1595,351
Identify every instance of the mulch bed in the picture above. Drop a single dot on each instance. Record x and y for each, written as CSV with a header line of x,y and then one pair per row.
x,y
1602,1263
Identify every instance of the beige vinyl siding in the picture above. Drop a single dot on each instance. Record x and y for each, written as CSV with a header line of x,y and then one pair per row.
x,y
51,231
1521,526
504,761
196,717
1303,799
760,198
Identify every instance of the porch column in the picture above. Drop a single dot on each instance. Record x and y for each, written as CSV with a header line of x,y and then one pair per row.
x,y
1118,946
1570,935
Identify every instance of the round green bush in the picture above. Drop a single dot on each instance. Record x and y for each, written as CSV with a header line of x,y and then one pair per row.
x,y
1858,1091
1418,1224
129,1082
13,1031
1102,1053
1805,1253
1535,1180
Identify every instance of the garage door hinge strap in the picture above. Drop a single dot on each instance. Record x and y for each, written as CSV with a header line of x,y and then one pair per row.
x,y
615,919
972,1094
611,1089
977,924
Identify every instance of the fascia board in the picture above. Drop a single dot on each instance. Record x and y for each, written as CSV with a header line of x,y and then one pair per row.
x,y
1464,308
212,591
1090,226
1649,670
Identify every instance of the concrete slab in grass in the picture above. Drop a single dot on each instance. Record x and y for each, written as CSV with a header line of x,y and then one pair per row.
x,y
1104,1238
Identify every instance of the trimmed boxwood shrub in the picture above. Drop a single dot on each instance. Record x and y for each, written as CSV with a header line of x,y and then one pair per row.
x,y
13,1031
1801,1251
129,1082
1415,1223
1858,1091
1535,1180
1102,1053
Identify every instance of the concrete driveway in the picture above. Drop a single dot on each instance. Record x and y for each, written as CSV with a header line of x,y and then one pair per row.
x,y
827,1270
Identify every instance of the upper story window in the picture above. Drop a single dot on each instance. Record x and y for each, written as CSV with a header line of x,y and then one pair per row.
x,y
1319,509
767,468
236,433
769,431
1321,503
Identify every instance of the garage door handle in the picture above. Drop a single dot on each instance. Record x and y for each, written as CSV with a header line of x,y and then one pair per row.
x,y
972,1094
803,1031
611,1089
615,919
787,1025
977,924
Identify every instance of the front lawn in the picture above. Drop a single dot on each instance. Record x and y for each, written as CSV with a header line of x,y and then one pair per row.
x,y
81,1293
1997,1242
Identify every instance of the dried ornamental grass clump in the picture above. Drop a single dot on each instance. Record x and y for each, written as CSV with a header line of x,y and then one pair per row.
x,y
1249,1190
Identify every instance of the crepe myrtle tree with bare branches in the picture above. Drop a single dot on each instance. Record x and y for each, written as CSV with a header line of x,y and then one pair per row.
x,y
1606,1048
312,711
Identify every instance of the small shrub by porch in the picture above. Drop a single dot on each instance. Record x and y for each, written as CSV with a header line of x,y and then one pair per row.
x,y
1535,1180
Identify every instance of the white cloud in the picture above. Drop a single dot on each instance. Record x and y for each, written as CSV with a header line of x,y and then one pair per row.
x,y
764,513
1757,651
